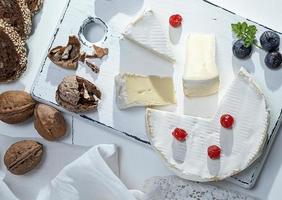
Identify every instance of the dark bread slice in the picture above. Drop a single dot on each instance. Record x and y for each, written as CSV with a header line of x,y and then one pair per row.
x,y
13,58
17,14
34,5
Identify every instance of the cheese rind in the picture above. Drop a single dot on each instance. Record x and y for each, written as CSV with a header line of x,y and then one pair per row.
x,y
137,90
240,146
200,76
147,32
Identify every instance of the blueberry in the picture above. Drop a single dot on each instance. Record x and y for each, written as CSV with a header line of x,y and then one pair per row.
x,y
270,41
240,51
273,60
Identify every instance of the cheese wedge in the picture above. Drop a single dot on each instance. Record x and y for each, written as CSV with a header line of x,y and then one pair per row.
x,y
136,90
240,146
200,76
147,32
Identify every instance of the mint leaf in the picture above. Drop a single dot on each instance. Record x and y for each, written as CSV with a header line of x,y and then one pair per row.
x,y
244,27
245,32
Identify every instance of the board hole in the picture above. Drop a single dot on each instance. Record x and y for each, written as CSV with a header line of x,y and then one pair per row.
x,y
92,31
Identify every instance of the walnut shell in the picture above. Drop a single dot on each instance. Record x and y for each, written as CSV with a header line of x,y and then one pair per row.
x,y
23,156
68,56
99,52
16,106
49,122
93,67
77,94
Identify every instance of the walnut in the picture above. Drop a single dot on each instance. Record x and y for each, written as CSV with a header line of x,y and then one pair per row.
x,y
77,94
68,56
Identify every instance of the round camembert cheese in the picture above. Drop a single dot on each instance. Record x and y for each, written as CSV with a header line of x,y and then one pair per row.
x,y
240,145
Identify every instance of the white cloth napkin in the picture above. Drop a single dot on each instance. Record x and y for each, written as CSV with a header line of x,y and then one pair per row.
x,y
91,174
89,177
6,193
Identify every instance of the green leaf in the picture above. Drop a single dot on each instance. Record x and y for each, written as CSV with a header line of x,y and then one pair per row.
x,y
235,28
244,27
253,27
245,32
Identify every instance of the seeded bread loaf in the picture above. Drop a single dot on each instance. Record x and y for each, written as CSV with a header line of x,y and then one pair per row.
x,y
17,14
13,57
34,5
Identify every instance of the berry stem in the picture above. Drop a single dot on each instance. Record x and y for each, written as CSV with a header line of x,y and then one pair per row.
x,y
255,41
257,45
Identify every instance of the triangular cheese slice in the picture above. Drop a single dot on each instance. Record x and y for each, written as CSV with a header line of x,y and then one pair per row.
x,y
240,146
147,32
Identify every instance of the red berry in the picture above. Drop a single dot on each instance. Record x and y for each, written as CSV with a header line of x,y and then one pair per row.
x,y
214,152
227,121
179,134
175,20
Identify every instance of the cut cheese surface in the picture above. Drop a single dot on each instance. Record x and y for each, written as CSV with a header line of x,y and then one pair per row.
x,y
147,32
240,146
200,76
136,90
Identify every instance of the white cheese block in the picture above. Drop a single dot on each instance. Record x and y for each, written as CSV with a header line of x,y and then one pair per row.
x,y
200,76
147,32
137,90
240,145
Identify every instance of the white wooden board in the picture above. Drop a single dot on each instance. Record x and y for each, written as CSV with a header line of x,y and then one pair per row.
x,y
124,56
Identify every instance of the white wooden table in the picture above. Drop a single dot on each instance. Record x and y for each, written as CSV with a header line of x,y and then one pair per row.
x,y
137,162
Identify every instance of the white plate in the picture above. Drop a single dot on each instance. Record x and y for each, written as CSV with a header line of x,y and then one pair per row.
x,y
124,56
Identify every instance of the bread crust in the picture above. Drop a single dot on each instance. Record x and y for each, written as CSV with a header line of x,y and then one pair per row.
x,y
21,54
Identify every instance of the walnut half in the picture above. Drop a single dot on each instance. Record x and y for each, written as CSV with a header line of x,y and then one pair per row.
x,y
77,94
66,56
